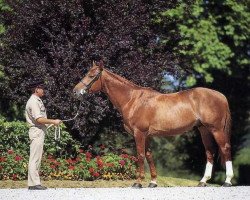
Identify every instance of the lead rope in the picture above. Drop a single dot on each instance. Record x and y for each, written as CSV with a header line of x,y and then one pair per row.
x,y
58,128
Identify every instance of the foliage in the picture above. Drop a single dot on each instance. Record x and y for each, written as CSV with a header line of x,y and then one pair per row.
x,y
13,165
84,166
57,40
14,136
212,35
242,158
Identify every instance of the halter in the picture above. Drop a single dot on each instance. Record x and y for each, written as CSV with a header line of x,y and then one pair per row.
x,y
88,86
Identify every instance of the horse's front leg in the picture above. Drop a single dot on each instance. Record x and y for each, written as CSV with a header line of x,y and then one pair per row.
x,y
140,147
150,161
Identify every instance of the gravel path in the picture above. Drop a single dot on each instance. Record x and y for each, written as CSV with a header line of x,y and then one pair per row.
x,y
170,193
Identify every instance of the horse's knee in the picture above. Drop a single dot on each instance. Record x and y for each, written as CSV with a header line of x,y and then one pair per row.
x,y
210,156
148,155
227,151
141,157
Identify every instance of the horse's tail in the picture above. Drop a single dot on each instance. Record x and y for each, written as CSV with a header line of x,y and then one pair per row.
x,y
227,133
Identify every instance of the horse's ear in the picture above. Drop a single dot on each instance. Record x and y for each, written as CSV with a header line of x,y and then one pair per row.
x,y
94,63
101,65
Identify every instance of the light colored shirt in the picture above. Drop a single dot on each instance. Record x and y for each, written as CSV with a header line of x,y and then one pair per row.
x,y
35,109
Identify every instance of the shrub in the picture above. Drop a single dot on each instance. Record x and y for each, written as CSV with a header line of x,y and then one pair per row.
x,y
62,158
84,166
14,135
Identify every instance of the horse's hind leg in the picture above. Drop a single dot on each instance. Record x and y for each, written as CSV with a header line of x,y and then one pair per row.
x,y
223,140
208,141
150,161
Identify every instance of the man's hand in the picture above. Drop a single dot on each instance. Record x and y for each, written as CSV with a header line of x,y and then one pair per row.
x,y
57,122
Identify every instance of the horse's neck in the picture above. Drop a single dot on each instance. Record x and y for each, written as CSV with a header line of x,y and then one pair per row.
x,y
118,89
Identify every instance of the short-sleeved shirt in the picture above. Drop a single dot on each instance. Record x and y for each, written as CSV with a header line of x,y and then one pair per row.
x,y
35,109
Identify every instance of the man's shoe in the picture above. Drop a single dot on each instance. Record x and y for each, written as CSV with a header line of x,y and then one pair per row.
x,y
37,187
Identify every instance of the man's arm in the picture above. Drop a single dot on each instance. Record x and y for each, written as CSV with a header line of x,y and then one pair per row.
x,y
42,120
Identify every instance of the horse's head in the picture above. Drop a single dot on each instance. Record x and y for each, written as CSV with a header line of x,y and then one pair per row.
x,y
91,82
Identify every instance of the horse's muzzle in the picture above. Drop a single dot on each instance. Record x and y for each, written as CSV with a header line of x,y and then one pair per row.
x,y
79,93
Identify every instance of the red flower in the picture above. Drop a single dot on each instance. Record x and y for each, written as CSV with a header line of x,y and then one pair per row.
x,y
81,151
109,164
99,162
10,151
14,177
78,159
57,163
122,162
71,167
134,158
70,161
88,155
18,158
102,146
2,159
50,156
91,169
96,174
52,166
88,159
124,155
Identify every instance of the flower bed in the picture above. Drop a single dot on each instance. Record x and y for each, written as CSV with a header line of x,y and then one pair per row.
x,y
84,166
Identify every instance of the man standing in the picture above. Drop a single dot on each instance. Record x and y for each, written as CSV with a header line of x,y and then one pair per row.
x,y
36,117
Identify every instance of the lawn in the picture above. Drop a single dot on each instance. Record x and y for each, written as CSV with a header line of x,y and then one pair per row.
x,y
162,182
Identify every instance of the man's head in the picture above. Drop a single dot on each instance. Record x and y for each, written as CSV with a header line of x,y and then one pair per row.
x,y
37,87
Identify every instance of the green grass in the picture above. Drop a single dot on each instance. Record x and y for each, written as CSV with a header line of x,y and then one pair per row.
x,y
162,182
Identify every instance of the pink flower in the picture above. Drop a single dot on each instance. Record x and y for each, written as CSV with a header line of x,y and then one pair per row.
x,y
122,162
18,158
10,151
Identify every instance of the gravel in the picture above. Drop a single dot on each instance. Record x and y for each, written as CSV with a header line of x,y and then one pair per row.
x,y
170,193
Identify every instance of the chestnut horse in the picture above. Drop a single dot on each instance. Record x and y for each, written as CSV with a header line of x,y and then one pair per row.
x,y
148,113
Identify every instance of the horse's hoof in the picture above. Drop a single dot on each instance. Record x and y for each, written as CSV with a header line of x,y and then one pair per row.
x,y
152,185
202,184
137,185
227,185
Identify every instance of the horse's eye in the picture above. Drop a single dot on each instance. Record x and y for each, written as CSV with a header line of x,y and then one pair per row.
x,y
91,76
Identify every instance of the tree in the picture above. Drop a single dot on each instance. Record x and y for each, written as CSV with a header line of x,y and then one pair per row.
x,y
57,40
212,35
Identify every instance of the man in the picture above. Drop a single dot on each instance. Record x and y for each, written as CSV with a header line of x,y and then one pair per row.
x,y
36,117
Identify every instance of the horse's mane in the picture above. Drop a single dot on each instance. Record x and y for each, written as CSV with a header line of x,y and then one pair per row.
x,y
123,80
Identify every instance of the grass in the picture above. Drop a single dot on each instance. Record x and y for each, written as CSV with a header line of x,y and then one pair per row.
x,y
162,182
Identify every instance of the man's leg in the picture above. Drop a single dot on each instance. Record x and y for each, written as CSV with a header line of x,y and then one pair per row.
x,y
36,150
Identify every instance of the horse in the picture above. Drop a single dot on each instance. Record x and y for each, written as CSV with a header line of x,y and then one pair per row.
x,y
147,113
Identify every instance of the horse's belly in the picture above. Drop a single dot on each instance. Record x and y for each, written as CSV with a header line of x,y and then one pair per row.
x,y
172,126
169,131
